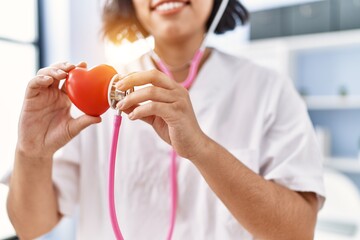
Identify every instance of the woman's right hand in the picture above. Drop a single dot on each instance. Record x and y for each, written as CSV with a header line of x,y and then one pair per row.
x,y
45,122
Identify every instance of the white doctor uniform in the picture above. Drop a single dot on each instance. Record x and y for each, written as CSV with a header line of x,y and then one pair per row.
x,y
254,113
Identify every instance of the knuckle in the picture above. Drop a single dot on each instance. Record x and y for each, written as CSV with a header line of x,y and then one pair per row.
x,y
152,91
183,91
136,112
178,106
35,79
129,78
180,93
31,82
153,74
46,70
185,95
69,132
152,107
41,70
127,100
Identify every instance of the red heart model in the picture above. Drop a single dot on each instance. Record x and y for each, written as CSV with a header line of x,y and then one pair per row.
x,y
88,89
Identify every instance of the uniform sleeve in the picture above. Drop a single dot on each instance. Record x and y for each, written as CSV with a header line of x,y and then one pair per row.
x,y
290,153
66,175
5,179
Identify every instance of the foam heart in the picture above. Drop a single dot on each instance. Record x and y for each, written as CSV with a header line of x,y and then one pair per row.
x,y
88,89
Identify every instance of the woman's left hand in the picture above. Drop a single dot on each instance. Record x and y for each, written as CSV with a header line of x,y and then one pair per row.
x,y
168,110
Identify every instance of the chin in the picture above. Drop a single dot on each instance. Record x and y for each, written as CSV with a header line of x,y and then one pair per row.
x,y
172,32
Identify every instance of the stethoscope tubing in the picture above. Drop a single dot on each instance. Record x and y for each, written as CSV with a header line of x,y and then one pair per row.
x,y
193,71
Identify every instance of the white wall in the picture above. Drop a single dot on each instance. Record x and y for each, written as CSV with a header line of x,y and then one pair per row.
x,y
73,31
254,5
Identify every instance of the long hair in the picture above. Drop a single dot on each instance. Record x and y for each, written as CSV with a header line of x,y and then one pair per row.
x,y
120,21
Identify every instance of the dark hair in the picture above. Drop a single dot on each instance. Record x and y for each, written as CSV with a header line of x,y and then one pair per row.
x,y
120,21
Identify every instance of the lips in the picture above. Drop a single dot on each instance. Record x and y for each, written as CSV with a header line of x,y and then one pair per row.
x,y
165,6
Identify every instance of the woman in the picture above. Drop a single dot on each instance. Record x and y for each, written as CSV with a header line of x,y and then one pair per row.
x,y
248,163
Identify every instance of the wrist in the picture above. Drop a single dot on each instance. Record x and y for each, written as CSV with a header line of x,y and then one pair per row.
x,y
31,169
31,157
203,147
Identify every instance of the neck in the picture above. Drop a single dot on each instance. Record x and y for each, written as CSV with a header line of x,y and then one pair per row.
x,y
177,54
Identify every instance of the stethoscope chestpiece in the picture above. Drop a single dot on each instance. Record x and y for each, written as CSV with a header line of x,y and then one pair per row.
x,y
115,95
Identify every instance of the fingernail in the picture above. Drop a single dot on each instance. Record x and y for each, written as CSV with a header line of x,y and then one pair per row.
x,y
120,104
131,115
119,84
46,78
67,64
59,71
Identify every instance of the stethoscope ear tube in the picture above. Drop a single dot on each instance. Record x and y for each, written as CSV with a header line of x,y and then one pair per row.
x,y
215,22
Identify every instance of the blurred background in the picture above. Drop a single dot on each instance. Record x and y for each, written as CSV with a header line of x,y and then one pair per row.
x,y
316,43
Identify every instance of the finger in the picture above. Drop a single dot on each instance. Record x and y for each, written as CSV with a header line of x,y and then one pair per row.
x,y
151,109
153,77
82,64
148,119
56,73
59,69
145,94
36,84
65,66
77,125
130,109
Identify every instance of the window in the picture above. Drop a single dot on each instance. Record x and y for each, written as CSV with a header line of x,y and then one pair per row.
x,y
19,61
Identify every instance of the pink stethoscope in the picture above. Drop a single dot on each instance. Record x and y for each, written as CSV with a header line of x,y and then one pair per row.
x,y
194,66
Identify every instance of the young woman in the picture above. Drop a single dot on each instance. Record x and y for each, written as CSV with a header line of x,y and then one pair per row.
x,y
248,165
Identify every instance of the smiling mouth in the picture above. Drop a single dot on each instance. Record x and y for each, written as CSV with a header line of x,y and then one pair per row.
x,y
169,6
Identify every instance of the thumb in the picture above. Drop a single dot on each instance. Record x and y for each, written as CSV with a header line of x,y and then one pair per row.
x,y
78,124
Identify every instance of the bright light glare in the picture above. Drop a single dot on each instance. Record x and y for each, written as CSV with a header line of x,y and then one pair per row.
x,y
127,52
18,20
